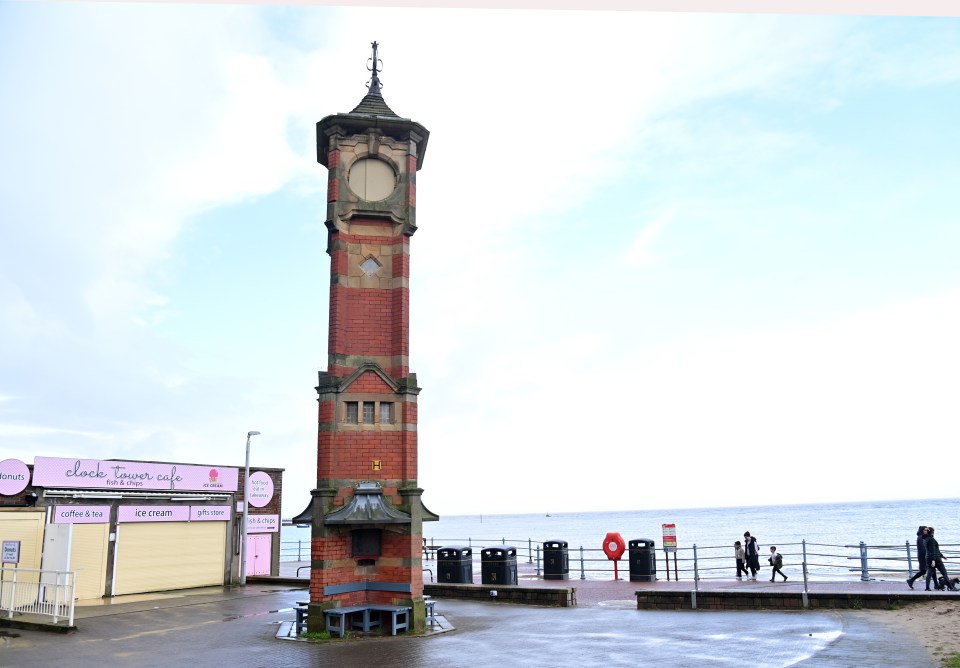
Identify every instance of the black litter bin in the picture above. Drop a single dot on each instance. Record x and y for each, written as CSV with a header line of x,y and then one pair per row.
x,y
556,560
455,564
498,565
643,561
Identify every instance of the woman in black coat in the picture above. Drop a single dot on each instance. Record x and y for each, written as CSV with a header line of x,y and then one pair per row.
x,y
921,556
935,561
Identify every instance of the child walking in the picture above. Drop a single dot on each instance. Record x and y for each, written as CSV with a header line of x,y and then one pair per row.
x,y
741,560
776,561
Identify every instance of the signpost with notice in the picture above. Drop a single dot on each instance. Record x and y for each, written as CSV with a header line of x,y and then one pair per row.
x,y
670,545
11,552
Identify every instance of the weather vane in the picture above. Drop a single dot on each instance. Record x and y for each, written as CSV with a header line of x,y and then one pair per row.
x,y
374,65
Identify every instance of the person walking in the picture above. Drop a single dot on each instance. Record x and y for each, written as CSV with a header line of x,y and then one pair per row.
x,y
751,549
921,556
935,561
741,560
776,562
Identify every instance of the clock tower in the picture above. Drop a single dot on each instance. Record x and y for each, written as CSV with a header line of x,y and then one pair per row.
x,y
366,512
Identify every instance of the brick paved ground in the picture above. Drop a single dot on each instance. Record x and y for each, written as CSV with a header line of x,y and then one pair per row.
x,y
237,627
594,592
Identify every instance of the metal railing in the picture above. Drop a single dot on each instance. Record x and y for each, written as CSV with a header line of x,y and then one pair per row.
x,y
295,550
817,561
31,591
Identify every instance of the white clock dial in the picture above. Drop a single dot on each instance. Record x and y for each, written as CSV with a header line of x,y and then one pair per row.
x,y
371,179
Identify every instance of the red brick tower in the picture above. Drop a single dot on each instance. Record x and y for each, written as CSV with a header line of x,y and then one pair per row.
x,y
366,512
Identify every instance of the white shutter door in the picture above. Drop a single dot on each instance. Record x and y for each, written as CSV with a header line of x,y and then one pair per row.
x,y
27,527
88,557
156,556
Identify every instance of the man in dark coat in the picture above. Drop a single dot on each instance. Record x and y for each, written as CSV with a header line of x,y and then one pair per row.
x,y
921,556
752,551
935,561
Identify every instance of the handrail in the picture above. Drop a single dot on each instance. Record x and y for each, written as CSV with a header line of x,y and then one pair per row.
x,y
817,561
34,591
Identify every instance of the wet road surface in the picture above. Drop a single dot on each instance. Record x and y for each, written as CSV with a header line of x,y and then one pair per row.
x,y
240,631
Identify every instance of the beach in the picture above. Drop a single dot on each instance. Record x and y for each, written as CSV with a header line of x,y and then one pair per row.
x,y
933,624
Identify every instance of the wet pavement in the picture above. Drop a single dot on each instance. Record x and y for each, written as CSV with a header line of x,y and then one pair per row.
x,y
238,627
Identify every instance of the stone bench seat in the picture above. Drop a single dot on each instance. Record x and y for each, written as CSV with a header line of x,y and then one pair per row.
x,y
339,619
301,612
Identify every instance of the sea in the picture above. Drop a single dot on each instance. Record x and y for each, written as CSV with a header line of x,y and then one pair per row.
x,y
886,527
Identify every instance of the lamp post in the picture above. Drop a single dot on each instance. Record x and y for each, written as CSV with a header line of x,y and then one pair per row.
x,y
246,505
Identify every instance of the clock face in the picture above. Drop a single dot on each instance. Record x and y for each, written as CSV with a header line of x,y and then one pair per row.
x,y
371,179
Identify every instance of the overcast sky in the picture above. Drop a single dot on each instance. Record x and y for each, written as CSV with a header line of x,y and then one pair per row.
x,y
663,260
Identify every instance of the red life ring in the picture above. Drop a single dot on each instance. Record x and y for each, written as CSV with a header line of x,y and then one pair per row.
x,y
613,546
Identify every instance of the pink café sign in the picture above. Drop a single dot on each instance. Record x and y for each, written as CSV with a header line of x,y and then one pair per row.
x,y
14,477
120,475
81,514
260,489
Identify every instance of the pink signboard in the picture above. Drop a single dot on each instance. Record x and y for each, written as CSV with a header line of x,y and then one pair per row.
x,y
153,513
14,476
81,514
260,489
263,523
119,475
209,513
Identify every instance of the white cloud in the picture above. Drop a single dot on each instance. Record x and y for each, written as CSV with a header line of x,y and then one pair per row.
x,y
833,408
640,253
540,361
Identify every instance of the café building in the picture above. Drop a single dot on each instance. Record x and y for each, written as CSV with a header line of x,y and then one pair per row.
x,y
129,527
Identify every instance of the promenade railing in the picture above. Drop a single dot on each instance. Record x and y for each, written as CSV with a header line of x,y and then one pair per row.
x,y
803,560
31,591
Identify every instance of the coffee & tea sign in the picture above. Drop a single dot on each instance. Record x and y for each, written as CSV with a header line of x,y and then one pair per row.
x,y
121,475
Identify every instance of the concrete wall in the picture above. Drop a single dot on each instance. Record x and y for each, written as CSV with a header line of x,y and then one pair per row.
x,y
558,597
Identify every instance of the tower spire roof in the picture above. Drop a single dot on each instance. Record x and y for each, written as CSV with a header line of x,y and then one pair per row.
x,y
371,115
373,103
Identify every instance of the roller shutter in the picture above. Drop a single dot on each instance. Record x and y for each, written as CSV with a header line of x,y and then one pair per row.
x,y
27,527
88,557
155,556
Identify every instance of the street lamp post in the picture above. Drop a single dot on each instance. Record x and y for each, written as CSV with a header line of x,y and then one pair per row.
x,y
246,505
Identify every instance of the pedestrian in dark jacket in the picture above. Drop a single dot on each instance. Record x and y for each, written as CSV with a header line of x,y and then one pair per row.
x,y
921,556
776,562
935,561
752,552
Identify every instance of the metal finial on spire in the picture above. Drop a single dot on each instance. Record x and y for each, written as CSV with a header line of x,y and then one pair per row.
x,y
374,65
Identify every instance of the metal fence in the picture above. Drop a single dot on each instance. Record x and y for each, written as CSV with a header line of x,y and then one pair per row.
x,y
31,591
811,561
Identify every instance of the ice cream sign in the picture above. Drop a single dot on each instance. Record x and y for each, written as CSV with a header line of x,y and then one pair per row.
x,y
120,475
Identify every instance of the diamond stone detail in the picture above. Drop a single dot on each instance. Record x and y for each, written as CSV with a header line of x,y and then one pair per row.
x,y
370,266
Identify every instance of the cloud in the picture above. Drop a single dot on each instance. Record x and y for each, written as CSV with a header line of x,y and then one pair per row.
x,y
640,253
